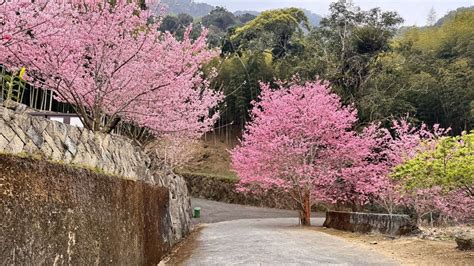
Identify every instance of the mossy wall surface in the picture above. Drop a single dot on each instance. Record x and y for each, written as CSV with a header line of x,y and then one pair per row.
x,y
55,214
26,135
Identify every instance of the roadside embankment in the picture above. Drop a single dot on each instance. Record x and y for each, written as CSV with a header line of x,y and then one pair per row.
x,y
56,214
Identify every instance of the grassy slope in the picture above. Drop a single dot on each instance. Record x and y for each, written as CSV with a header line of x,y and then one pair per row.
x,y
212,159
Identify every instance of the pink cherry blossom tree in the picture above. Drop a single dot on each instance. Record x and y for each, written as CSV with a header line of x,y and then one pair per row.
x,y
300,141
392,149
367,180
111,63
452,206
19,19
420,188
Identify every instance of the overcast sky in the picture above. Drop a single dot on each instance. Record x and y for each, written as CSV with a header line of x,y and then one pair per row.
x,y
413,11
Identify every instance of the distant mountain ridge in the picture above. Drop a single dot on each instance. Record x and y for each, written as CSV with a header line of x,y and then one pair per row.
x,y
202,9
314,19
451,14
188,7
251,12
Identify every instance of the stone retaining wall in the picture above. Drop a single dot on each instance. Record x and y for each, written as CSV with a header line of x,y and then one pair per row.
x,y
53,214
369,222
53,141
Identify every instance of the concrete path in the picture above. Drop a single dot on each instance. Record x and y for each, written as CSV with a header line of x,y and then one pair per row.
x,y
213,212
269,241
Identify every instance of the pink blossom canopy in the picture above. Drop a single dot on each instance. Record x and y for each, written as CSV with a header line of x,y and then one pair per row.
x,y
111,61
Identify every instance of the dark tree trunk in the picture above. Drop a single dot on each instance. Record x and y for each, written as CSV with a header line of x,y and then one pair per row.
x,y
354,207
305,213
112,125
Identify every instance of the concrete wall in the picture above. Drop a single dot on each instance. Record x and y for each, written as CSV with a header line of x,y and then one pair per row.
x,y
53,214
369,222
21,133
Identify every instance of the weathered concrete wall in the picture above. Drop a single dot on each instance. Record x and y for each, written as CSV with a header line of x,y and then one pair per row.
x,y
53,214
369,222
21,133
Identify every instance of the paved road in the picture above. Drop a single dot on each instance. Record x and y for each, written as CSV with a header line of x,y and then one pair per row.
x,y
213,211
266,241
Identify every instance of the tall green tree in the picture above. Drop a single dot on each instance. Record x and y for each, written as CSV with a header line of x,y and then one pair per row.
x,y
348,41
177,25
278,32
428,72
264,49
448,164
219,21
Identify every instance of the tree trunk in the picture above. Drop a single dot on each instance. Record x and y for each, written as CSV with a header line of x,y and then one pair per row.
x,y
305,213
354,207
111,125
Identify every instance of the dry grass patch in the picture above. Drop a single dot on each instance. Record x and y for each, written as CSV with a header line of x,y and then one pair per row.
x,y
408,250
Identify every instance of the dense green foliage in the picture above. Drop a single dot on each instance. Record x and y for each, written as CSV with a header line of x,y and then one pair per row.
x,y
177,25
427,72
271,32
449,164
370,61
218,22
265,49
385,70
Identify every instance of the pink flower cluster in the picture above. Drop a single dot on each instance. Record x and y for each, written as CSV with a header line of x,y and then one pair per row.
x,y
302,139
111,61
452,206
